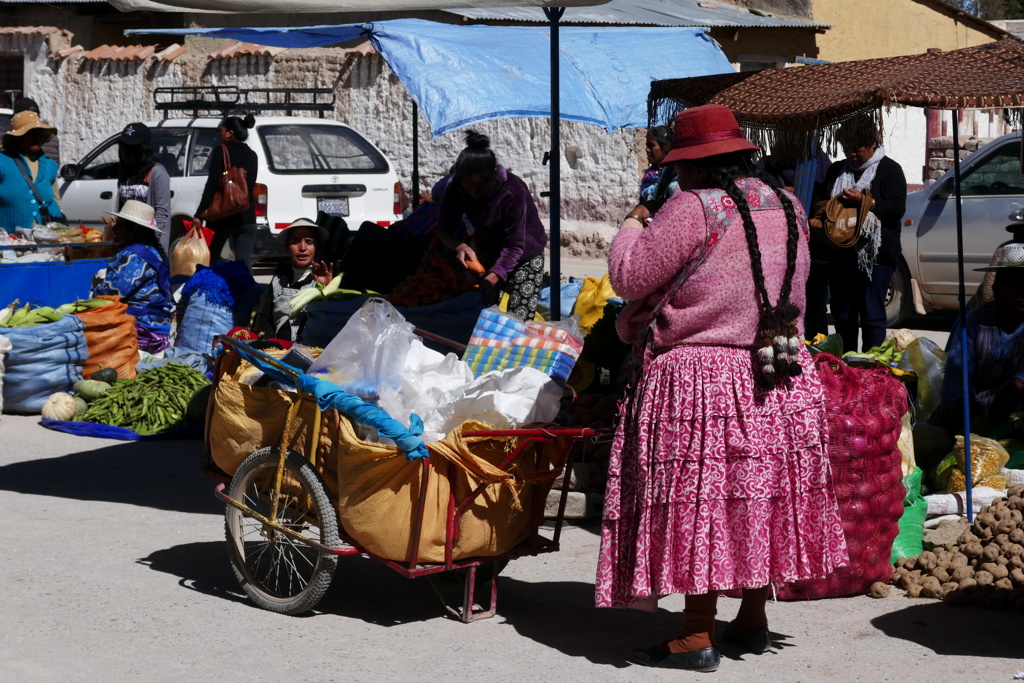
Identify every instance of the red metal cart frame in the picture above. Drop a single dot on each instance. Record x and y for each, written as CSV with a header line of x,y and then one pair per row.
x,y
282,537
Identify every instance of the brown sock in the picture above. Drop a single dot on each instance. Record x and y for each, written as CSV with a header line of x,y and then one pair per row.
x,y
752,614
698,624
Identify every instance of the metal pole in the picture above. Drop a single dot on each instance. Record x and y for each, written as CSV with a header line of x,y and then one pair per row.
x,y
963,314
415,155
555,159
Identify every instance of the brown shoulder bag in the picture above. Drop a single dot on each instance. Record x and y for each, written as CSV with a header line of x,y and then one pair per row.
x,y
232,197
838,226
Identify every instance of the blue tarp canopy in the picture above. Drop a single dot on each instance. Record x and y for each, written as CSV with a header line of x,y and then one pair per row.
x,y
460,75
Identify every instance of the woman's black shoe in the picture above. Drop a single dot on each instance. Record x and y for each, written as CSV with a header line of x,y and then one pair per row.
x,y
706,659
754,640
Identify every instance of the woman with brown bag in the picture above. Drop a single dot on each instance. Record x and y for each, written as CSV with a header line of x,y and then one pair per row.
x,y
240,228
859,276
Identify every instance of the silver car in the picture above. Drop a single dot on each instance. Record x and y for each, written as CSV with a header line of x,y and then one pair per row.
x,y
992,188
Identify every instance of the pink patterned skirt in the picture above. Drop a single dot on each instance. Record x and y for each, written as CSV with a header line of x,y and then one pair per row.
x,y
716,484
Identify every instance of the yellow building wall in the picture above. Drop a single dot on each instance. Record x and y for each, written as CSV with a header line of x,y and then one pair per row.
x,y
866,29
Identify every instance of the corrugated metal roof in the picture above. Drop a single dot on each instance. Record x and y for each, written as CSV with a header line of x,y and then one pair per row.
x,y
648,13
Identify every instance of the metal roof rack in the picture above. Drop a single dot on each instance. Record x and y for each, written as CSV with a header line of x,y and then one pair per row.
x,y
228,99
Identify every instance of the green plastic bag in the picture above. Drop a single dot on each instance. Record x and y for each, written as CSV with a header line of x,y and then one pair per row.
x,y
909,542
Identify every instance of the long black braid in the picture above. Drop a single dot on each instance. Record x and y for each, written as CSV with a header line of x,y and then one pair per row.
x,y
778,338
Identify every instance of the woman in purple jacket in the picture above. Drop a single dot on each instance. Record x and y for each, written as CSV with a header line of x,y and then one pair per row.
x,y
508,236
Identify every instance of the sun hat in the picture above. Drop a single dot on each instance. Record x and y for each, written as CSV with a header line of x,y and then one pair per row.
x,y
1011,255
140,213
706,131
321,232
25,121
135,134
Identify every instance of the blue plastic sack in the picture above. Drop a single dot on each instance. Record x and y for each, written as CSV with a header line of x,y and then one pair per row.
x,y
452,319
568,293
202,321
43,359
101,431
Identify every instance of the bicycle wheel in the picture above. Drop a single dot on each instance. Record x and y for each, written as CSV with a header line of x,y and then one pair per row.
x,y
279,572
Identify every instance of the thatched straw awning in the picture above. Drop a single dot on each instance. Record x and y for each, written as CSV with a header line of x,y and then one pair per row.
x,y
802,100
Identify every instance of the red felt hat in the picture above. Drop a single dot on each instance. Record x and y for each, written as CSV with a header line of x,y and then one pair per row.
x,y
706,131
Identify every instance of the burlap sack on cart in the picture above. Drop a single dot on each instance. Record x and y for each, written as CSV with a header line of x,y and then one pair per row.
x,y
378,493
246,418
111,338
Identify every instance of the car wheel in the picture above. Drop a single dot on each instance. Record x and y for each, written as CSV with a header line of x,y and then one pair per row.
x,y
899,300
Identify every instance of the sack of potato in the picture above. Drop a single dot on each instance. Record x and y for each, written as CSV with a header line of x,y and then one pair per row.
x,y
984,567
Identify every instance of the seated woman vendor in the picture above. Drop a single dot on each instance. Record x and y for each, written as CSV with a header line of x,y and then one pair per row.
x,y
302,240
140,275
995,350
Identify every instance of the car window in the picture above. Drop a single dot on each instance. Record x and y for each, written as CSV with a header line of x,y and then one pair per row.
x,y
102,166
997,173
169,149
313,148
204,142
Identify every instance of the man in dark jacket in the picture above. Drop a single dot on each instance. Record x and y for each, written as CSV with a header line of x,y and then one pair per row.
x,y
859,276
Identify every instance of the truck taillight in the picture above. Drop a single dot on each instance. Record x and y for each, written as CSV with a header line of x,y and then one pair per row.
x,y
398,200
259,192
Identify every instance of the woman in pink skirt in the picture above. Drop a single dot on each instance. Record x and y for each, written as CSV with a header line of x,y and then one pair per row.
x,y
719,478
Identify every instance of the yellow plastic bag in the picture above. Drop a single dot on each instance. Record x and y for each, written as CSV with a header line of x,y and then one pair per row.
x,y
591,301
987,460
190,251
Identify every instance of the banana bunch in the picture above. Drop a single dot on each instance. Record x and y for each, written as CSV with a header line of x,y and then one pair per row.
x,y
886,353
26,316
311,294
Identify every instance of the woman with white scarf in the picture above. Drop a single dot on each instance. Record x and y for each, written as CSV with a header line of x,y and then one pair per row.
x,y
859,276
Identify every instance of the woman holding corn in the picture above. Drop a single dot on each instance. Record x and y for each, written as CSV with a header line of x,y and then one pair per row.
x,y
299,271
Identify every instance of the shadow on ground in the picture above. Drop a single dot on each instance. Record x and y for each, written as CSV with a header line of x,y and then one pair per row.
x,y
956,631
155,474
362,588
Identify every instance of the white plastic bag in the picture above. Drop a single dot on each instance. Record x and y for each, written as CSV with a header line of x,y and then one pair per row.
x,y
504,399
924,357
373,344
426,379
5,346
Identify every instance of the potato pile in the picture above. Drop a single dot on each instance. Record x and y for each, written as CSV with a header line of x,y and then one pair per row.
x,y
984,567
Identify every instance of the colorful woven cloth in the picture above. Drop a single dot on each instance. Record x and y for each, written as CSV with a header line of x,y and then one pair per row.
x,y
502,341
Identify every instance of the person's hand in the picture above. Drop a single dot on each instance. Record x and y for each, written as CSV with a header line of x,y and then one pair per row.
x,y
323,272
464,253
851,197
197,222
488,287
641,211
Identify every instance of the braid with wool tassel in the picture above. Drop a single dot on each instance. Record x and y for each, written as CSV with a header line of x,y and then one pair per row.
x,y
778,339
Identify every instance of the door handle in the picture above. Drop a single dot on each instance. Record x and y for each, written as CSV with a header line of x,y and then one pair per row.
x,y
106,195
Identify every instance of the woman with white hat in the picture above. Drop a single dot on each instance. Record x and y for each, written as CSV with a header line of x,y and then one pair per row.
x,y
995,349
140,275
28,178
302,239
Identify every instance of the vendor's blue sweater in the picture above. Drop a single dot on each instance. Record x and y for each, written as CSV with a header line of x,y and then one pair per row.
x,y
18,205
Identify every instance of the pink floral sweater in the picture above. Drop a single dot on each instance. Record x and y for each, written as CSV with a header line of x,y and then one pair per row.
x,y
718,304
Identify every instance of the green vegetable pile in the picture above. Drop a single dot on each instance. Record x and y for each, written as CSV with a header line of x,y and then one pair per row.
x,y
153,402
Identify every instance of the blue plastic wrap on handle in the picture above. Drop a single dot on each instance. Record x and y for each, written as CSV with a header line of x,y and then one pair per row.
x,y
329,395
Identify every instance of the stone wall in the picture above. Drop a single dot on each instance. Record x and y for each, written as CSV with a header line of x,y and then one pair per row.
x,y
942,155
89,100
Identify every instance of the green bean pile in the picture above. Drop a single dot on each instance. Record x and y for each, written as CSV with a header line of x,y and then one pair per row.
x,y
153,402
